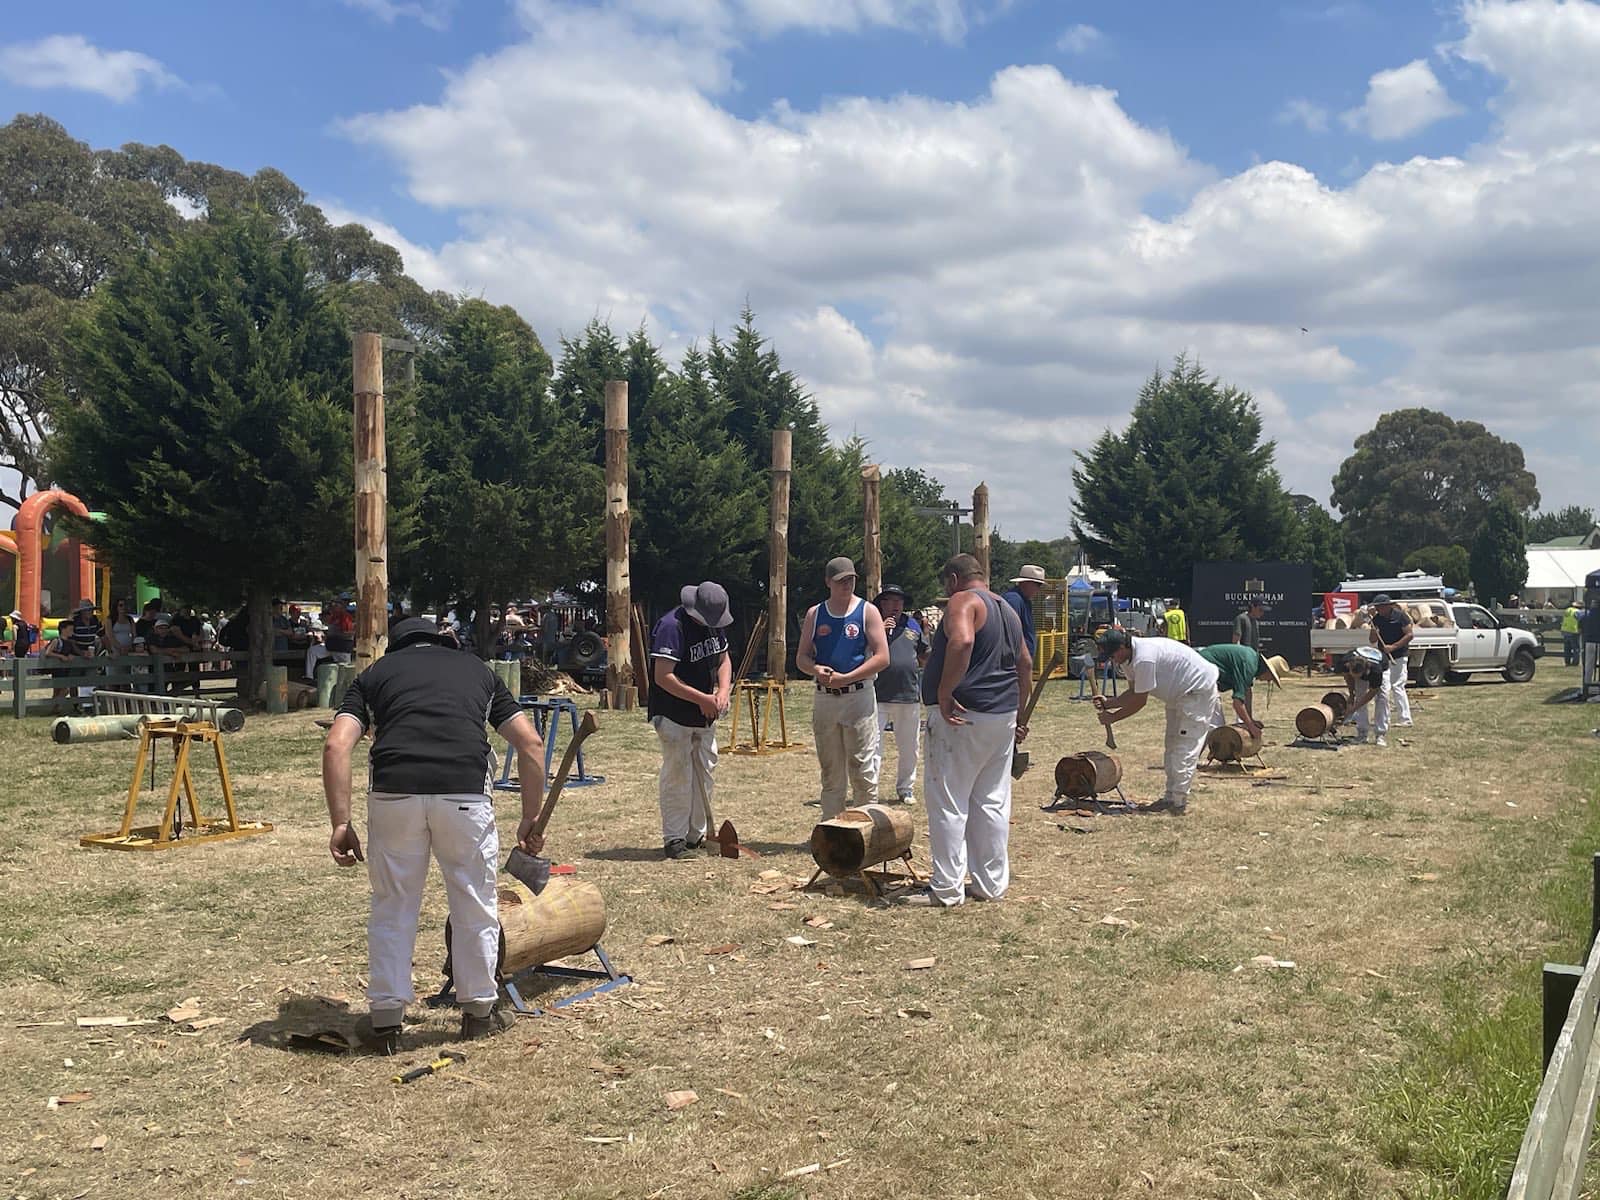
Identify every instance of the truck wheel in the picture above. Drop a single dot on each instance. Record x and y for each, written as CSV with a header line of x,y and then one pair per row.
x,y
1432,671
587,649
1456,677
1520,668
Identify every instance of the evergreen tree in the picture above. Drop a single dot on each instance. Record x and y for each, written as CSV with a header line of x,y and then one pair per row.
x,y
507,494
1570,521
1317,538
1450,563
214,423
1500,551
1190,480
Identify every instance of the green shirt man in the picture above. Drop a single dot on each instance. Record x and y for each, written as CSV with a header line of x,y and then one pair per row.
x,y
1238,668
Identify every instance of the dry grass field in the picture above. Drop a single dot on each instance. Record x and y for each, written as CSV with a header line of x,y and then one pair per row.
x,y
1111,1030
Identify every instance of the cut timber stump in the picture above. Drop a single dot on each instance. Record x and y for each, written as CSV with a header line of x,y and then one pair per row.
x,y
568,917
859,838
1232,743
1338,703
1085,776
1315,721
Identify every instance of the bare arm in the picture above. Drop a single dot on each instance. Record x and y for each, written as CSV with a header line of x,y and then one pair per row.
x,y
805,658
343,844
1024,684
665,676
877,652
523,737
960,626
1119,708
724,693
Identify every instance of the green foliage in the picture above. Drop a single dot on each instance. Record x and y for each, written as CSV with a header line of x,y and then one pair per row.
x,y
1318,539
1189,481
1421,478
915,546
1499,562
1450,563
1007,557
214,423
506,490
1570,521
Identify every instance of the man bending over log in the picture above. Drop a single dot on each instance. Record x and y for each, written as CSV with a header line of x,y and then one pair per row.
x,y
1186,683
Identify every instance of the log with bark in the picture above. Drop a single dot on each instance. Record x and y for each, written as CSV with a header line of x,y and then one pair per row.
x,y
859,838
1085,776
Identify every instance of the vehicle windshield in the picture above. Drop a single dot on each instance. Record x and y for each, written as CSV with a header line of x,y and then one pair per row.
x,y
1089,609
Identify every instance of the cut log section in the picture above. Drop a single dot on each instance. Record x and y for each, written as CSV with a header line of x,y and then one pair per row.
x,y
568,917
858,838
1086,775
1315,720
1339,702
1232,743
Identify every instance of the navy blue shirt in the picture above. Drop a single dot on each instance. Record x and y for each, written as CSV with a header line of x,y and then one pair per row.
x,y
1023,607
901,681
695,653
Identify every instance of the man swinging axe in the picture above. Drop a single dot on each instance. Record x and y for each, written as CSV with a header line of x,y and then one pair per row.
x,y
429,793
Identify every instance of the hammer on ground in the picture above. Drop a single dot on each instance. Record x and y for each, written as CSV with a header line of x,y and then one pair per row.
x,y
446,1057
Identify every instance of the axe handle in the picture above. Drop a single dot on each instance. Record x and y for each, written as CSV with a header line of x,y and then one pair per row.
x,y
1038,688
585,727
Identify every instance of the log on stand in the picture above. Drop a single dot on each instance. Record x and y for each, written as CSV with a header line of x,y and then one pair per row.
x,y
1232,743
1087,775
1315,721
858,838
1338,702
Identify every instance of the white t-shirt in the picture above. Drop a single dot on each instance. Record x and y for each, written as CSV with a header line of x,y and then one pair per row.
x,y
1167,669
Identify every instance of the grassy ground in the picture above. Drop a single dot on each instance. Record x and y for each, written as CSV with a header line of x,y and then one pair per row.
x,y
1047,1052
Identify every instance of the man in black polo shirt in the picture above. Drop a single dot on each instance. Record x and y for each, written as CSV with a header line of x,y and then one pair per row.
x,y
430,790
1392,633
691,677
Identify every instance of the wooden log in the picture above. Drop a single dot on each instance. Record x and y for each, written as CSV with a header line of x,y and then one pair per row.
x,y
1084,776
1314,720
1232,743
72,730
568,917
1338,703
872,545
372,502
619,600
980,526
277,696
778,558
862,837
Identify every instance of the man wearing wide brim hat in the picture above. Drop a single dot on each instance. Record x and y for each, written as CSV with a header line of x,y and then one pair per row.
x,y
691,680
843,647
430,779
1238,667
898,688
1029,582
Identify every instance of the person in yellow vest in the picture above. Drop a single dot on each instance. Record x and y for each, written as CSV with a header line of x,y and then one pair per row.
x,y
1569,635
1177,623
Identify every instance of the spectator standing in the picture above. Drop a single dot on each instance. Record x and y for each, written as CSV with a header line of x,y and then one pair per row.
x,y
550,636
23,635
1392,632
1029,583
976,680
280,628
189,627
842,648
1176,675
1570,630
899,688
1247,625
430,796
145,626
1177,623
691,679
121,628
87,631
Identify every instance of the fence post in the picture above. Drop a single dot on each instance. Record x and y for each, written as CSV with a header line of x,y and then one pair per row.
x,y
1594,904
19,695
1560,984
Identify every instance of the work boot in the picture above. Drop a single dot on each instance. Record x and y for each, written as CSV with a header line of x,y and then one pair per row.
x,y
1176,808
695,844
381,1039
1380,740
676,848
474,1027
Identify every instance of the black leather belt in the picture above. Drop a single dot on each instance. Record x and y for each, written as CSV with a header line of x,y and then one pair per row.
x,y
844,691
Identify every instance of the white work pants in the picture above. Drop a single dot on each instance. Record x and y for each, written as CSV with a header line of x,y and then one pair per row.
x,y
1188,722
459,832
967,793
846,730
907,721
315,653
1394,687
688,760
1380,716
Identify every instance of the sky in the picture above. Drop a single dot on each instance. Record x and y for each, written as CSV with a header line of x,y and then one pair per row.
x,y
973,228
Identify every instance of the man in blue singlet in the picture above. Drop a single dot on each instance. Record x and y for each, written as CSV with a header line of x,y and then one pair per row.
x,y
842,646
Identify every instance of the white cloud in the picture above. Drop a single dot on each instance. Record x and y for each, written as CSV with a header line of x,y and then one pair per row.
x,y
1080,39
1401,102
72,61
978,286
433,14
1313,117
724,20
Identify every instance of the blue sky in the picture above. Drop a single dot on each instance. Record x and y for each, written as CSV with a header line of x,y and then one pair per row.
x,y
972,226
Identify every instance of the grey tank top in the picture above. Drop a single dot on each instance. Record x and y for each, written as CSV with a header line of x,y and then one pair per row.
x,y
990,684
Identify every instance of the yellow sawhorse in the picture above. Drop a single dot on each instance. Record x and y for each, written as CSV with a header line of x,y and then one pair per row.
x,y
166,835
759,698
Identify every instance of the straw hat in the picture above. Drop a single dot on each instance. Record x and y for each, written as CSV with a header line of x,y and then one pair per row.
x,y
1277,666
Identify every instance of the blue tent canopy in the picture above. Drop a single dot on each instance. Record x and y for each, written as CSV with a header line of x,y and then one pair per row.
x,y
1080,585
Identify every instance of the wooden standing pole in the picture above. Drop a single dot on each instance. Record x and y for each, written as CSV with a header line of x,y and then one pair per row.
x,y
980,526
619,601
871,476
372,503
778,559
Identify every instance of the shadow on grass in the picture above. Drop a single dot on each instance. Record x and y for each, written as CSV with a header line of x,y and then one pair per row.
x,y
709,850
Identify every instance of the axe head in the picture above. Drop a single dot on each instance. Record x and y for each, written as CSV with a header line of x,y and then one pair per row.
x,y
1020,762
528,869
727,840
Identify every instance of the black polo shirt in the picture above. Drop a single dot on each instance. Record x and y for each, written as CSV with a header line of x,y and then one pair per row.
x,y
429,705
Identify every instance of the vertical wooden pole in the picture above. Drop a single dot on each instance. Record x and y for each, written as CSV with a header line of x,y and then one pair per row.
x,y
980,526
372,503
778,559
872,550
619,599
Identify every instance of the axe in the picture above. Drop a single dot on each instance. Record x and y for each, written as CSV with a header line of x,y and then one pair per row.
x,y
1022,759
534,870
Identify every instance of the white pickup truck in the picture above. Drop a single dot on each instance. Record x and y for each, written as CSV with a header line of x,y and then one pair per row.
x,y
1451,643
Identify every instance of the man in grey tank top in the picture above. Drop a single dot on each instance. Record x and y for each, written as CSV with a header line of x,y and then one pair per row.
x,y
973,686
